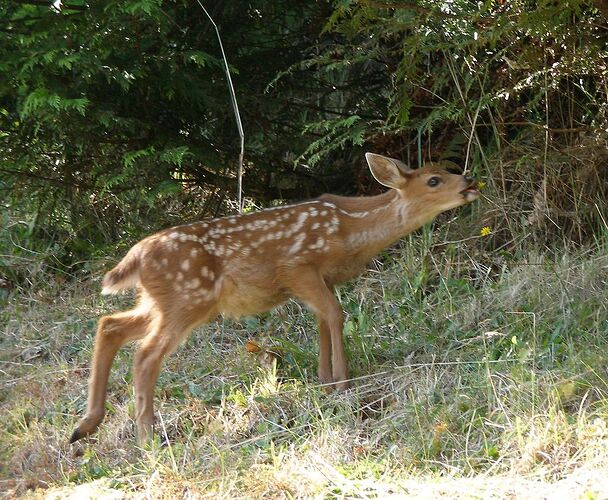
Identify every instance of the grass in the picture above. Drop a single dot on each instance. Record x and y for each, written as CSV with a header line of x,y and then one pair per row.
x,y
473,378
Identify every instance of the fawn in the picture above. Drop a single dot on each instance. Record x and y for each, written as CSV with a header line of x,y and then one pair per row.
x,y
246,264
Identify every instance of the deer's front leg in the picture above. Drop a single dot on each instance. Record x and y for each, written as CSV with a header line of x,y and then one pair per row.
x,y
307,285
325,371
339,367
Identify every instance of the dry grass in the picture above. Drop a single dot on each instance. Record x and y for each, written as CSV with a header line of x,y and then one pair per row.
x,y
465,387
548,191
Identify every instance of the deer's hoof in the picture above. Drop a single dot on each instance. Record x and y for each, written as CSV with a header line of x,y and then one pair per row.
x,y
88,425
342,386
76,435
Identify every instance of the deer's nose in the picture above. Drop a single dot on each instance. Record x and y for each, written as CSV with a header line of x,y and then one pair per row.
x,y
469,178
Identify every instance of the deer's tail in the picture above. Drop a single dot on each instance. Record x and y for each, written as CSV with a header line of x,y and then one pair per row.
x,y
125,274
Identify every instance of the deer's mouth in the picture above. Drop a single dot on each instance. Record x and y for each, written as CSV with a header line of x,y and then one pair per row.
x,y
471,192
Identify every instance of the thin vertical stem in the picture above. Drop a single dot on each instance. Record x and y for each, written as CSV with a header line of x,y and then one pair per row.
x,y
237,115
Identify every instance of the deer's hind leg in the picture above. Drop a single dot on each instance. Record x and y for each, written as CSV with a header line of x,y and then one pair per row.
x,y
166,334
112,333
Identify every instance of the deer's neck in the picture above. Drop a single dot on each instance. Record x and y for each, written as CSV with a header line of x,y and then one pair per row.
x,y
377,223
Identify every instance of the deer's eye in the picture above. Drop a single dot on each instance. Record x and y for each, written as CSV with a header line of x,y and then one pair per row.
x,y
433,181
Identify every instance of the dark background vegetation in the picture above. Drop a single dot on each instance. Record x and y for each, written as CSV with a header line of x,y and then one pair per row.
x,y
115,117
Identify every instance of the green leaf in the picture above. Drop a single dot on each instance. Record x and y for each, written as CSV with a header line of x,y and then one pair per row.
x,y
131,157
175,155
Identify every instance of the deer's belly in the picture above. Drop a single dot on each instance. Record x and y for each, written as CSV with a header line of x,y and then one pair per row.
x,y
244,298
344,272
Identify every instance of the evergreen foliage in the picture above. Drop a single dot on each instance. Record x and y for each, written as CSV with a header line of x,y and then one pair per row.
x,y
115,117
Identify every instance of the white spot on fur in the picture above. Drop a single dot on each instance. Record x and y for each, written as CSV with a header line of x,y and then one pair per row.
x,y
295,248
185,265
332,226
171,245
298,225
194,283
318,244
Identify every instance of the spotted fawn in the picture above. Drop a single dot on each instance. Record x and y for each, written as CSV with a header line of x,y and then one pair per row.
x,y
247,264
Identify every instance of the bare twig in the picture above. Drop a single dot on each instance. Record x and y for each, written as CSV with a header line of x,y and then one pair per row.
x,y
235,107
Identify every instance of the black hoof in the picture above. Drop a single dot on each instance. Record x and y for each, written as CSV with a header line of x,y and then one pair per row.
x,y
75,436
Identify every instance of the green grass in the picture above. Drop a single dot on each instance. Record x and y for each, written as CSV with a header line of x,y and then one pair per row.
x,y
474,377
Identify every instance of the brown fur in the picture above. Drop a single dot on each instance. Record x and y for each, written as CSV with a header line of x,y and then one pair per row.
x,y
248,264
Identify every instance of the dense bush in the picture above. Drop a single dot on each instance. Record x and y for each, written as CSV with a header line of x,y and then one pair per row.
x,y
116,117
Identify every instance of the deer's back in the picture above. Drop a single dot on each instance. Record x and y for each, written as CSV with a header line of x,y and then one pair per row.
x,y
241,262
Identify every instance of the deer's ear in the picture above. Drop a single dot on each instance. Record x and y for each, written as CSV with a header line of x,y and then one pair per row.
x,y
388,171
